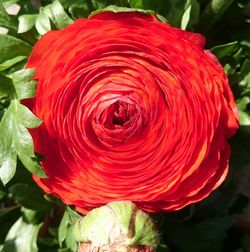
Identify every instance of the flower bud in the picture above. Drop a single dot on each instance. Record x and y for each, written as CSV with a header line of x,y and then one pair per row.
x,y
118,226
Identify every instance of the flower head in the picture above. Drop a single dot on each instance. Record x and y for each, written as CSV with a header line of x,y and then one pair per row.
x,y
132,109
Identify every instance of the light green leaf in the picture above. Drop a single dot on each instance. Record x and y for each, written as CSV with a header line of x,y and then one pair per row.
x,y
22,237
57,15
26,22
62,230
11,62
15,140
65,231
243,102
42,23
185,18
24,85
11,47
244,118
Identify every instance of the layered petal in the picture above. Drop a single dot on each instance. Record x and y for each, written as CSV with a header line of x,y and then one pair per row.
x,y
132,109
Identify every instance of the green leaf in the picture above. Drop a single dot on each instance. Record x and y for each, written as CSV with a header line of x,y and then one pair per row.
x,y
24,85
246,243
11,62
244,118
69,219
22,237
226,49
29,196
42,23
6,210
62,230
243,102
11,47
186,17
26,22
173,11
57,15
5,19
15,140
206,235
7,87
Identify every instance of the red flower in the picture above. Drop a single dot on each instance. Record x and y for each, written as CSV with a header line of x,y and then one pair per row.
x,y
132,109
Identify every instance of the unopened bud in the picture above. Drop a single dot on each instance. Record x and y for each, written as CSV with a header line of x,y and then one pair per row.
x,y
116,227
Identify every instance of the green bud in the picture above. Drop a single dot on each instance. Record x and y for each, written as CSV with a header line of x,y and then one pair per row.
x,y
118,226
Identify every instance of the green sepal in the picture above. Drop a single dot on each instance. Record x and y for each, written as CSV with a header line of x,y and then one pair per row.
x,y
117,9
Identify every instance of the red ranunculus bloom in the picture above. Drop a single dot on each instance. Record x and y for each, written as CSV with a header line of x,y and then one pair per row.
x,y
132,109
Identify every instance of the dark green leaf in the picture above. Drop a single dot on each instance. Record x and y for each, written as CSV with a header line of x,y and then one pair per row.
x,y
6,210
172,10
5,19
206,235
29,196
6,87
225,50
22,237
11,47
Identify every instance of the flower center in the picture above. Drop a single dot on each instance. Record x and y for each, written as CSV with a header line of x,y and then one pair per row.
x,y
120,113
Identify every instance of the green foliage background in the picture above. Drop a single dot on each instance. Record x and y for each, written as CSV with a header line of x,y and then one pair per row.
x,y
31,221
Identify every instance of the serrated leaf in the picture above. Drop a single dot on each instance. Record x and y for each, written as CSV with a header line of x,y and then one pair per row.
x,y
11,62
57,15
22,237
24,85
15,140
226,49
26,118
29,196
26,22
42,23
11,47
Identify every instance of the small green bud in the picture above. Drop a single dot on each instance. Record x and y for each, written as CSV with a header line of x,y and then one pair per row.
x,y
118,227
